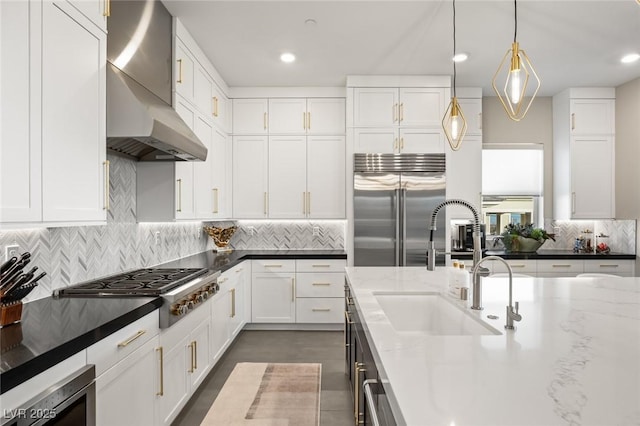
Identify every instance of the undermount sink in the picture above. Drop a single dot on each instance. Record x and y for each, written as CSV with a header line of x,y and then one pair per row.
x,y
429,314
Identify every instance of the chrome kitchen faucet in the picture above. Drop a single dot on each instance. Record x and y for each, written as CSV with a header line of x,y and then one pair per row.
x,y
477,302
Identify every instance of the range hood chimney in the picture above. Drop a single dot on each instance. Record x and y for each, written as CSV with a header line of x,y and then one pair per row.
x,y
140,120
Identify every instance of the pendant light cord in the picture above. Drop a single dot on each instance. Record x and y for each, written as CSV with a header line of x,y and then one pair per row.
x,y
515,14
454,48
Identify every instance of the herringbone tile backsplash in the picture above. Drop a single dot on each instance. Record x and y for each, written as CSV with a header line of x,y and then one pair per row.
x,y
75,254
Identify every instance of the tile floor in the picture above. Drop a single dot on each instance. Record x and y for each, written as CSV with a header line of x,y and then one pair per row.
x,y
325,347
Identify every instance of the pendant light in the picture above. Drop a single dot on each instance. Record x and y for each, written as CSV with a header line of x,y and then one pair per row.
x,y
514,79
453,122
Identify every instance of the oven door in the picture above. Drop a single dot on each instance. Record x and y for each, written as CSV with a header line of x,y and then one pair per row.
x,y
70,402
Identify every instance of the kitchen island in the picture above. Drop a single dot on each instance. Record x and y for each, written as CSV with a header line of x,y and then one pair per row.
x,y
574,358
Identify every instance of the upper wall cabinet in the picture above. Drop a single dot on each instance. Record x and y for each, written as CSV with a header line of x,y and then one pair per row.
x,y
472,110
59,120
250,116
407,107
96,10
584,154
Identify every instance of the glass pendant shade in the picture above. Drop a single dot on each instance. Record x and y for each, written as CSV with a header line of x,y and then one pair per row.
x,y
454,124
516,82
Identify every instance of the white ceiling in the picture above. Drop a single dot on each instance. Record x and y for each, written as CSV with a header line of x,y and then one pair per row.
x,y
571,43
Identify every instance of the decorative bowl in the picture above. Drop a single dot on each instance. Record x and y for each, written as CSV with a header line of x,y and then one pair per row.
x,y
220,236
520,244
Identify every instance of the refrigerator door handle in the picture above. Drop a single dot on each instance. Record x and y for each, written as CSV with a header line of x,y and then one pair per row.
x,y
403,225
396,207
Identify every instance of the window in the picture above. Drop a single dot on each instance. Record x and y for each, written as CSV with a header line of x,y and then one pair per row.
x,y
512,184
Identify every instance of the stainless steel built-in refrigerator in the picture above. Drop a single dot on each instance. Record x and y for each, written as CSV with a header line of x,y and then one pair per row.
x,y
394,196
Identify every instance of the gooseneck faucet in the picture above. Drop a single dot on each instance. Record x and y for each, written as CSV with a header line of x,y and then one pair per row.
x,y
477,293
477,245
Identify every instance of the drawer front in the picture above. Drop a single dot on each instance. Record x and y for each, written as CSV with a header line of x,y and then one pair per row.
x,y
110,350
319,310
607,266
240,267
524,266
273,265
320,285
320,265
561,267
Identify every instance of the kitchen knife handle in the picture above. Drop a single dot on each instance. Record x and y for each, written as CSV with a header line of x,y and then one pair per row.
x,y
8,264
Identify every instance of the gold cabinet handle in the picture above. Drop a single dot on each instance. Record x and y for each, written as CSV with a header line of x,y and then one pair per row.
x,y
179,195
573,121
309,203
395,144
179,71
192,369
356,391
215,106
573,202
304,121
107,177
273,265
320,265
266,203
401,115
239,270
321,284
609,266
222,280
401,143
264,121
320,309
517,266
480,120
308,121
195,354
293,289
215,200
126,343
347,317
394,110
233,302
304,203
161,352
561,266
106,12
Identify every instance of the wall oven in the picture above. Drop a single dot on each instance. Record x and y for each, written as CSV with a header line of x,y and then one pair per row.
x,y
70,402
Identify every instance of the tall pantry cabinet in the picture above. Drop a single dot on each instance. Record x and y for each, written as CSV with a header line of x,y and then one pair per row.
x,y
53,109
584,153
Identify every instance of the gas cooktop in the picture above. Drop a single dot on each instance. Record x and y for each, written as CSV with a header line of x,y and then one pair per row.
x,y
141,282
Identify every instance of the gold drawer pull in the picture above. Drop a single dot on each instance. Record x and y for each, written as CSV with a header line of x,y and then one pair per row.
x,y
609,266
131,339
320,309
321,266
321,284
273,265
517,266
293,289
179,71
561,266
233,303
347,317
161,392
239,270
107,9
222,280
107,177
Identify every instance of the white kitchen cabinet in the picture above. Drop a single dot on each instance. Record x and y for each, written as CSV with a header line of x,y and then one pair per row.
x,y
220,156
584,154
464,176
229,308
472,110
205,195
20,135
592,116
320,291
184,71
326,165
73,116
621,267
220,319
220,107
287,177
127,365
559,267
273,291
126,393
97,11
250,177
398,140
184,181
186,360
203,91
306,116
250,116
409,107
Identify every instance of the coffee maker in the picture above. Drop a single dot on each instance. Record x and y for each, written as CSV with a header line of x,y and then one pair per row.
x,y
465,238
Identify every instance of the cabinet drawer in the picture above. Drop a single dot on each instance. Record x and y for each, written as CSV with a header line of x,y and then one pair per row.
x,y
608,266
562,267
319,310
320,265
110,350
524,266
273,265
320,285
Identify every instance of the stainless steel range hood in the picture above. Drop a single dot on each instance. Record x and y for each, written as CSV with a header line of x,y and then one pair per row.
x,y
140,120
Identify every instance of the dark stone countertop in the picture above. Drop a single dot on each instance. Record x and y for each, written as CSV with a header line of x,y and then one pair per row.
x,y
549,254
52,330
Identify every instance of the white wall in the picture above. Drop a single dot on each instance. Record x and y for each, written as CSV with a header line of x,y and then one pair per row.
x,y
536,127
628,153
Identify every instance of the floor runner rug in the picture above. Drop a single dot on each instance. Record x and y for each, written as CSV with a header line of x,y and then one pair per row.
x,y
264,394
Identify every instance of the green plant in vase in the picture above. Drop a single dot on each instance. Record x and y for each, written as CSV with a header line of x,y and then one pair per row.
x,y
524,238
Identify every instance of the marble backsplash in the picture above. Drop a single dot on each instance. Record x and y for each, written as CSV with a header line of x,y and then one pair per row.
x,y
71,255
620,234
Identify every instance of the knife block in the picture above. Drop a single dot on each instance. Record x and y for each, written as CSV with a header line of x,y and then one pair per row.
x,y
10,313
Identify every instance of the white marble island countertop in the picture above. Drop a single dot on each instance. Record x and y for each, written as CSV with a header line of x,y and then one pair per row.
x,y
574,359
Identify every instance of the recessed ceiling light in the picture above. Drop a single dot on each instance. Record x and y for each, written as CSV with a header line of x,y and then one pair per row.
x,y
632,57
310,22
460,57
287,58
